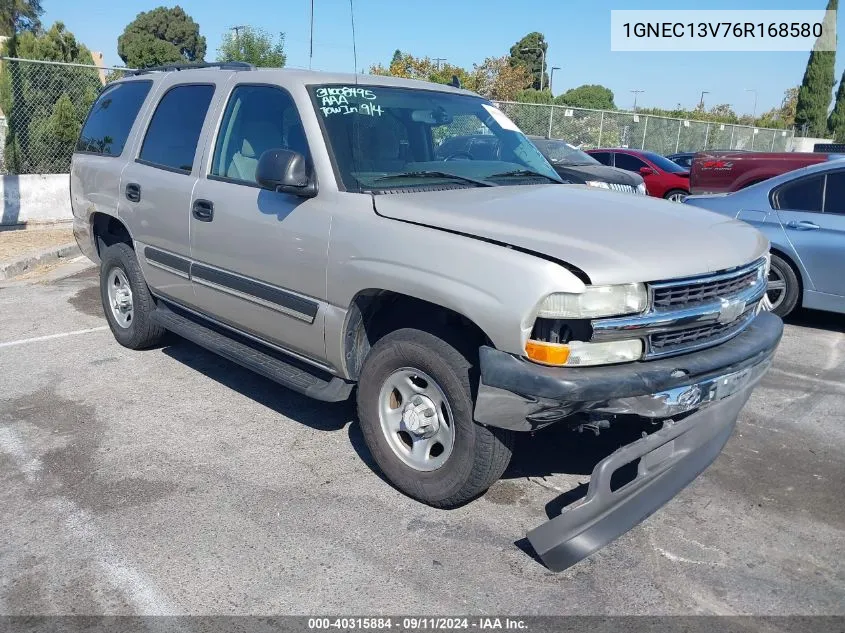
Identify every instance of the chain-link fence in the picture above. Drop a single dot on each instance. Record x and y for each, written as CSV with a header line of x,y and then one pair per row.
x,y
589,129
44,105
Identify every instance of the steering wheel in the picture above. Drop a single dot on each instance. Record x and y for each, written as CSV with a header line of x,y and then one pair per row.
x,y
459,155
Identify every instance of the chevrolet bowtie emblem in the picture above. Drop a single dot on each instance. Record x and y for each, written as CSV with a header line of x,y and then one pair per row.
x,y
729,310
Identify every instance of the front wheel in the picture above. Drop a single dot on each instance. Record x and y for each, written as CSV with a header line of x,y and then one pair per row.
x,y
415,409
676,195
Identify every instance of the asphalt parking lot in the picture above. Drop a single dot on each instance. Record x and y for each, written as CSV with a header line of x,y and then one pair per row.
x,y
172,481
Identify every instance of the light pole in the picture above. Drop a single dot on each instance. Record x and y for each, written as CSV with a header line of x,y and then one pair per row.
x,y
437,61
754,112
542,61
636,94
701,101
552,79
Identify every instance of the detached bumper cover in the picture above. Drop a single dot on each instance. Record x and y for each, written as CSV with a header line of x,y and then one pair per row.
x,y
710,386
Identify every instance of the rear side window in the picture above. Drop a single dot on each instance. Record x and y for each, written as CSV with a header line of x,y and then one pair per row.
x,y
602,157
801,195
629,163
834,197
112,115
174,131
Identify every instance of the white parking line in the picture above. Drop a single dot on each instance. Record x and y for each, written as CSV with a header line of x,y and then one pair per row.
x,y
49,337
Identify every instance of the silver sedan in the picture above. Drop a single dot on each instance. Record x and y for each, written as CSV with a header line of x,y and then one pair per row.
x,y
802,213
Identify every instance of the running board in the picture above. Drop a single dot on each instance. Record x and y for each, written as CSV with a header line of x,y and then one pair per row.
x,y
288,372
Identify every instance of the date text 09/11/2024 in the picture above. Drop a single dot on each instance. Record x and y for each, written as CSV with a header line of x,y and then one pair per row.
x,y
723,29
417,623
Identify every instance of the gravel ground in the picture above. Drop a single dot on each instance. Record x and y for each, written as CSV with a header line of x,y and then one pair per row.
x,y
172,481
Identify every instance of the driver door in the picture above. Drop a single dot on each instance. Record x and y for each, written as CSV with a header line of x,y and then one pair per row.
x,y
259,256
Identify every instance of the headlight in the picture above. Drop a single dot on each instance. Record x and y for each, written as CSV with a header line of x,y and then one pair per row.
x,y
595,302
579,354
641,189
597,183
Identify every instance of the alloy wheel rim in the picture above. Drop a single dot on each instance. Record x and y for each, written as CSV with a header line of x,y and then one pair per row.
x,y
416,419
120,297
776,290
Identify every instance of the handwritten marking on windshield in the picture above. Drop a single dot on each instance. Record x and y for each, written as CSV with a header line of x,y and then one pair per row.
x,y
336,101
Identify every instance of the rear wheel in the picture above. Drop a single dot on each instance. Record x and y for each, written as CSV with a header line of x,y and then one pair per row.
x,y
784,289
676,195
415,408
127,302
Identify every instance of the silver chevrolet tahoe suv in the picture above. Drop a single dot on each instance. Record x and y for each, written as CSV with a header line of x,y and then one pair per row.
x,y
303,225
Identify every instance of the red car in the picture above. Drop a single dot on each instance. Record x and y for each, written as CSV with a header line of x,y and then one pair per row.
x,y
663,178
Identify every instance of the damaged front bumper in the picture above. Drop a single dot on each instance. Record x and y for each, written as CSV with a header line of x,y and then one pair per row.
x,y
709,387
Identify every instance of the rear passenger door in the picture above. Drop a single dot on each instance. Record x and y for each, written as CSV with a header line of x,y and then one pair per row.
x,y
259,256
156,187
812,212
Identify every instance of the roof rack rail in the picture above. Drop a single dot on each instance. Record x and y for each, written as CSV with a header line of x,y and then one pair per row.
x,y
189,66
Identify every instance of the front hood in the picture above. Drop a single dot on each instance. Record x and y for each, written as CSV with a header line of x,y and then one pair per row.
x,y
613,237
583,173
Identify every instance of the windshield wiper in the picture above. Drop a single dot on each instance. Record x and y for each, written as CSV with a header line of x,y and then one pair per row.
x,y
433,174
523,173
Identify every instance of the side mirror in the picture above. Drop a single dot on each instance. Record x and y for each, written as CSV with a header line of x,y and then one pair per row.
x,y
285,171
646,171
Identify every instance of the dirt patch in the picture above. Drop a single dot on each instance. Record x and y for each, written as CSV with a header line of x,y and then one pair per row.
x,y
15,244
504,493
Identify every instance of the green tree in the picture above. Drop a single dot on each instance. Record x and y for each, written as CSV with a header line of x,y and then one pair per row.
x,y
588,96
531,95
397,56
836,120
45,104
20,15
254,46
526,52
814,95
161,36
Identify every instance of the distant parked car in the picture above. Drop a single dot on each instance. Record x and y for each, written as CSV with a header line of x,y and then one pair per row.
x,y
578,167
663,178
803,215
682,159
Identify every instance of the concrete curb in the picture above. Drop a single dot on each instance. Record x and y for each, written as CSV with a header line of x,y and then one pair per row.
x,y
31,260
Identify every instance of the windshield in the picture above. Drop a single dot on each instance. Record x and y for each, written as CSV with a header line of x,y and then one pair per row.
x,y
387,138
562,153
664,163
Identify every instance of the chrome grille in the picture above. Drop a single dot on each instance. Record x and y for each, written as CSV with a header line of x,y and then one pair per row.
x,y
623,188
695,336
683,295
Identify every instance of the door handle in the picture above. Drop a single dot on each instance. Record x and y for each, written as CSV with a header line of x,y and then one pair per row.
x,y
803,225
203,210
133,192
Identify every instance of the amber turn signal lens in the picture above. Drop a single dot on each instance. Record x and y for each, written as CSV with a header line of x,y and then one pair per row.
x,y
547,353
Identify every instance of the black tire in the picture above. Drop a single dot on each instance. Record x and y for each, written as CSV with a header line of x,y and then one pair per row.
x,y
141,333
675,192
792,293
479,455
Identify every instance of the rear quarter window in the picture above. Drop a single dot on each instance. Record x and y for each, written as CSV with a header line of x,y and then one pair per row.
x,y
111,117
804,194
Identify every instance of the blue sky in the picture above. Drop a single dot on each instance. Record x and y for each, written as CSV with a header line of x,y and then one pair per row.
x,y
467,31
